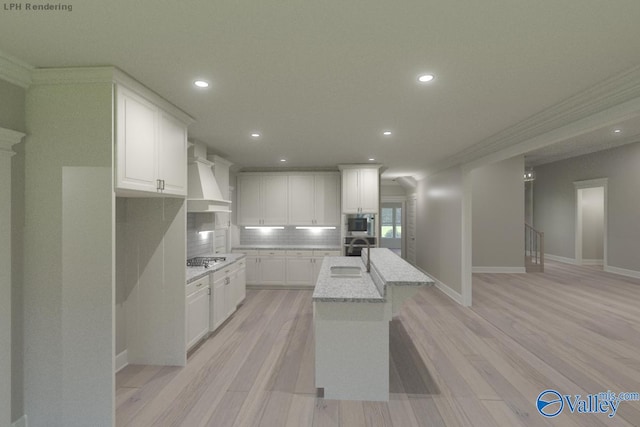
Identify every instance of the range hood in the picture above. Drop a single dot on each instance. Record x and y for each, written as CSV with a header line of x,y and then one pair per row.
x,y
204,194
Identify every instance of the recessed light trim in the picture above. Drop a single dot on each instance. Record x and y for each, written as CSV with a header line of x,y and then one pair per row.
x,y
283,160
201,84
255,135
425,78
372,159
617,131
387,133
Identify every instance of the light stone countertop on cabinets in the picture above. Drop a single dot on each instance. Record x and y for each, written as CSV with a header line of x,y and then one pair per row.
x,y
387,269
195,273
290,247
345,289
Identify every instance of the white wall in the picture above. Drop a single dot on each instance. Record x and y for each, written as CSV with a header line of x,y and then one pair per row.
x,y
498,216
554,203
439,224
12,116
593,223
68,248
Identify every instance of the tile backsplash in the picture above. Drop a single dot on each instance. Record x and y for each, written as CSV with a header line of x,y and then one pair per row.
x,y
198,244
290,236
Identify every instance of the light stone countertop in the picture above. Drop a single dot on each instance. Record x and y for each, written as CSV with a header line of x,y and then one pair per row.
x,y
387,269
195,273
290,247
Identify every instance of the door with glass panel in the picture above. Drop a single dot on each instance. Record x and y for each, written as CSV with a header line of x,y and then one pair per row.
x,y
391,226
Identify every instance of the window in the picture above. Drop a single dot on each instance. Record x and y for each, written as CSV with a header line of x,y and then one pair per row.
x,y
391,223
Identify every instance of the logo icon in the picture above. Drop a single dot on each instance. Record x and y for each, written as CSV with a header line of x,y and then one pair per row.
x,y
550,403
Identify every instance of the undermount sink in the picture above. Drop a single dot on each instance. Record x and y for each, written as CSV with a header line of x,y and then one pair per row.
x,y
346,271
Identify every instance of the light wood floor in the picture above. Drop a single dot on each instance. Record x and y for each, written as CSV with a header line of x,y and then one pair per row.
x,y
573,329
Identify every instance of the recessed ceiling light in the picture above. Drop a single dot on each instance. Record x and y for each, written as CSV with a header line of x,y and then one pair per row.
x,y
424,78
371,160
255,135
201,83
617,130
386,133
283,160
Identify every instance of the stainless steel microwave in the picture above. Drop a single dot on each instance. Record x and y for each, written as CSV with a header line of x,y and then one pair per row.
x,y
357,224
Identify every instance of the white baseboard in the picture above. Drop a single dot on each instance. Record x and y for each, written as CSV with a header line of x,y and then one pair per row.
x,y
454,295
506,270
560,259
21,422
592,261
122,360
622,271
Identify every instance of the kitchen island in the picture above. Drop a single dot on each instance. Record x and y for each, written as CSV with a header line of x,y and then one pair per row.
x,y
352,309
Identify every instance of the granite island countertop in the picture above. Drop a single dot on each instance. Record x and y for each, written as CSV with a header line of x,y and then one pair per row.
x,y
195,273
387,269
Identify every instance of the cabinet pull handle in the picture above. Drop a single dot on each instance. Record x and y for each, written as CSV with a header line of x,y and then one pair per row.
x,y
163,185
198,285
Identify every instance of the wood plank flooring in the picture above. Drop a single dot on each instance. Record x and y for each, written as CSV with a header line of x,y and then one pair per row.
x,y
573,329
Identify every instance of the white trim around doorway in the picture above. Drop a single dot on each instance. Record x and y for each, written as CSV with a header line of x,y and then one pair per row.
x,y
581,185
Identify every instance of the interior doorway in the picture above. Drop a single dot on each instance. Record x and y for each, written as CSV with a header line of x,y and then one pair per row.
x,y
391,221
591,222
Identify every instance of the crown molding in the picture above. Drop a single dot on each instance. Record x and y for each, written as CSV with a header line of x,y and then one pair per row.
x,y
619,94
14,70
76,75
8,138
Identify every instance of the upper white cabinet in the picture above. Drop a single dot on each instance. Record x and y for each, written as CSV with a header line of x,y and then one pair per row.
x,y
314,199
360,188
151,145
221,172
262,199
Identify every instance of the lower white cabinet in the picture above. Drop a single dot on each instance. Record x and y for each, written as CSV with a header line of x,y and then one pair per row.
x,y
297,268
197,311
228,291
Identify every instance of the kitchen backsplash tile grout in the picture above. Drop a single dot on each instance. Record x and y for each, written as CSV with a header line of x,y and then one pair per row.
x,y
290,236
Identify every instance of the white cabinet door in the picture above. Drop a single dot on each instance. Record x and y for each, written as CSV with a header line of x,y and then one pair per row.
x,y
253,270
229,295
136,147
316,264
218,295
249,205
197,316
301,200
274,199
369,191
272,270
350,191
299,271
241,283
327,199
172,155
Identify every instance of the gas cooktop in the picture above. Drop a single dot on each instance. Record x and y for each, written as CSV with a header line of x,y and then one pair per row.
x,y
204,261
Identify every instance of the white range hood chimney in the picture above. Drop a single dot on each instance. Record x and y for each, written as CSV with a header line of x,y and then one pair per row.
x,y
204,194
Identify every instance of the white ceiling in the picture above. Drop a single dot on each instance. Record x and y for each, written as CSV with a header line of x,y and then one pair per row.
x,y
321,80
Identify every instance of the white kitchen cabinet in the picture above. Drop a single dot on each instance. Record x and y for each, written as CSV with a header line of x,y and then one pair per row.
x,y
299,268
262,199
240,282
314,199
218,301
316,262
197,311
272,270
264,267
360,189
151,147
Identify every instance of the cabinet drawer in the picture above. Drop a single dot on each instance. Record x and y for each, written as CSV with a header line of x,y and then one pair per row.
x,y
247,252
300,253
326,253
272,252
197,285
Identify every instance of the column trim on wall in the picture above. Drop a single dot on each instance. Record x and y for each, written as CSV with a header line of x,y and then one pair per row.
x,y
9,138
14,70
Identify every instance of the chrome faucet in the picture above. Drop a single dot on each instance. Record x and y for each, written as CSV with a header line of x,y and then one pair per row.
x,y
350,250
